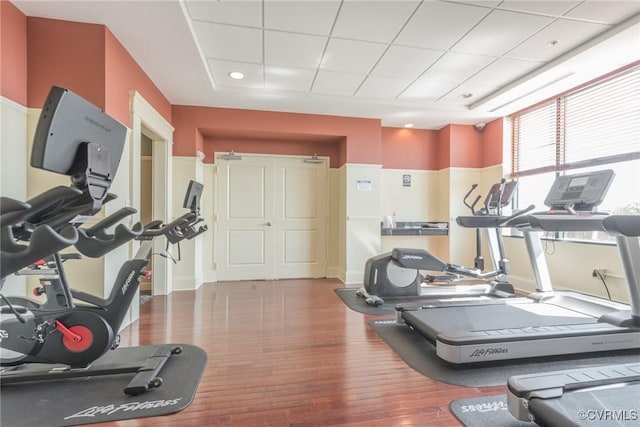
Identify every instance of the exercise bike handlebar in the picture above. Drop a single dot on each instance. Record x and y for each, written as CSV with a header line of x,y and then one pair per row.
x,y
98,246
95,242
113,219
172,227
11,210
44,241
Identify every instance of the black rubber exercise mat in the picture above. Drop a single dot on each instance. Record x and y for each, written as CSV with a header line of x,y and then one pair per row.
x,y
98,399
420,354
356,303
485,411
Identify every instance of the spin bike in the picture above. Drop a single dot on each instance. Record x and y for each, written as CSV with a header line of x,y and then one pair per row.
x,y
72,328
397,273
75,328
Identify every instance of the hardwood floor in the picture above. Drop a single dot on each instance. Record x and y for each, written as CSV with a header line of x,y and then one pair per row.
x,y
289,353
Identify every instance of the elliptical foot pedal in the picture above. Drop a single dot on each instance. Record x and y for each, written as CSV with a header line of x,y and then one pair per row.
x,y
370,299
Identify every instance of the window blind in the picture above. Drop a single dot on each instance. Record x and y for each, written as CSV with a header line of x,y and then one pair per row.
x,y
595,125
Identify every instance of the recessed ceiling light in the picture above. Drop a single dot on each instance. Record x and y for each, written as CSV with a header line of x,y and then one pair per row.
x,y
466,95
409,125
236,75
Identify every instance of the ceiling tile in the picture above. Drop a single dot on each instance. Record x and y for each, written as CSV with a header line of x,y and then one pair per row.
x,y
247,12
253,73
457,67
288,78
337,83
567,35
500,32
409,62
351,56
439,25
382,87
486,3
605,11
229,42
310,17
426,89
293,50
502,71
555,8
378,21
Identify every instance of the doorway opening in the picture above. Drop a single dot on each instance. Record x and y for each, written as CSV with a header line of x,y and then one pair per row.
x,y
146,207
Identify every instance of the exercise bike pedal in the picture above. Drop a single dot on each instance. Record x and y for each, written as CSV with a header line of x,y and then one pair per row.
x,y
116,343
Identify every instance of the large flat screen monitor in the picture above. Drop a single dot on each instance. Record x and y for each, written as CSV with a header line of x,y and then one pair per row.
x,y
68,120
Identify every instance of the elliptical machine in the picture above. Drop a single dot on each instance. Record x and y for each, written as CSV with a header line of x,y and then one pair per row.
x,y
397,273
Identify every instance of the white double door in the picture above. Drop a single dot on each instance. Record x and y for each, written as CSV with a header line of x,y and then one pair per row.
x,y
272,218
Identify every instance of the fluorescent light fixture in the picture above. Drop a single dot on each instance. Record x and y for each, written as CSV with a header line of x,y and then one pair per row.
x,y
409,125
314,159
231,156
597,56
236,75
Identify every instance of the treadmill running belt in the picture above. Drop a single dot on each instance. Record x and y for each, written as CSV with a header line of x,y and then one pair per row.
x,y
501,317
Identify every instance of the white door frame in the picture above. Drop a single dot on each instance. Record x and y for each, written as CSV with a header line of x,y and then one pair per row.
x,y
145,119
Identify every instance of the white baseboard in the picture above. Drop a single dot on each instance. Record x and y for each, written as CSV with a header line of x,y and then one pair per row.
x,y
210,276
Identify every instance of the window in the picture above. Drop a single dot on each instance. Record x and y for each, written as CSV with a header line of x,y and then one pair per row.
x,y
596,126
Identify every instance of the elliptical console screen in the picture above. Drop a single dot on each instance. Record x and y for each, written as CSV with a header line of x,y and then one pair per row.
x,y
585,191
508,190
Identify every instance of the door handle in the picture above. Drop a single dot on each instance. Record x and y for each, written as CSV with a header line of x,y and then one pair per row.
x,y
268,224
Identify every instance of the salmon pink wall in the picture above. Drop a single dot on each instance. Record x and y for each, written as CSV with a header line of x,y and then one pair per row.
x,y
67,54
492,143
89,60
357,140
123,74
409,149
13,53
444,147
464,146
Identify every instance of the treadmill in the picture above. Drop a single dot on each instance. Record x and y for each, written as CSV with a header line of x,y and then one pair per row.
x,y
602,394
546,322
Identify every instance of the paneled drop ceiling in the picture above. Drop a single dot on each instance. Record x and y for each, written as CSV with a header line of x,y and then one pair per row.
x,y
429,63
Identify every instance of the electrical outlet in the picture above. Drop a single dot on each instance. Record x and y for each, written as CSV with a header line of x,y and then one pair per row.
x,y
598,273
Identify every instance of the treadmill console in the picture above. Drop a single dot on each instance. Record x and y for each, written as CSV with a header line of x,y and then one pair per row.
x,y
582,192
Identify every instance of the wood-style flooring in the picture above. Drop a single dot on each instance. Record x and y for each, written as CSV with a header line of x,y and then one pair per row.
x,y
289,353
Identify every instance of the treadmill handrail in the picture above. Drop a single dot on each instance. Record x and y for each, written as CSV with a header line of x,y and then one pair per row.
x,y
622,225
568,222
